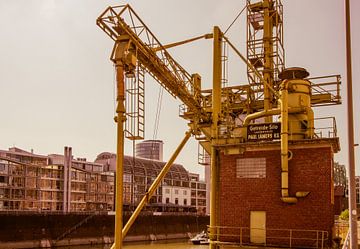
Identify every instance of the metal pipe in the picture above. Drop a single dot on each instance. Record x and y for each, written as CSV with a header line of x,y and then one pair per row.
x,y
311,129
146,198
261,114
284,143
352,189
216,111
120,119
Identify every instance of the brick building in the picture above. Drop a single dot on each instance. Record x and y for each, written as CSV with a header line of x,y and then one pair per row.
x,y
254,184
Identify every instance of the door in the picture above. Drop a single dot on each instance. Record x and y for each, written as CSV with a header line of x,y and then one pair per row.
x,y
257,227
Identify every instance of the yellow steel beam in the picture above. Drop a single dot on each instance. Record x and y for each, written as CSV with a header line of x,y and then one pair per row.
x,y
216,111
171,45
268,51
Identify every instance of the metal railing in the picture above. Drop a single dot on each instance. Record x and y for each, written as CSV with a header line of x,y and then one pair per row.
x,y
325,90
290,238
346,244
324,127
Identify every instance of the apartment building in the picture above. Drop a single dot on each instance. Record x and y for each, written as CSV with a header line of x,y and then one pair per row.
x,y
62,183
198,193
31,182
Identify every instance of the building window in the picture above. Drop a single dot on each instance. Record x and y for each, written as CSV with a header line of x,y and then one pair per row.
x,y
176,201
185,192
2,179
127,178
167,201
185,202
167,191
251,167
176,191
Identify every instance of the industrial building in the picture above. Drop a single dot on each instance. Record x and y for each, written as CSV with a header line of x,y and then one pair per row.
x,y
272,159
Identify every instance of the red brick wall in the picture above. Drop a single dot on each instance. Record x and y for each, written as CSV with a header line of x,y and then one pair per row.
x,y
309,170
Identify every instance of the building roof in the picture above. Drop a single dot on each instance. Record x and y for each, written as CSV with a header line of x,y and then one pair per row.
x,y
142,166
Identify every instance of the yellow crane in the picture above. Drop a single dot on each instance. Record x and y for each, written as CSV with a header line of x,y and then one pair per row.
x,y
211,113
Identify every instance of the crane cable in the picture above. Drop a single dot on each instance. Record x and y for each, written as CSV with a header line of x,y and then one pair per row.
x,y
235,19
158,111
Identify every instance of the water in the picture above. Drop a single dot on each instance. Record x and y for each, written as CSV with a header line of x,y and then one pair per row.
x,y
146,245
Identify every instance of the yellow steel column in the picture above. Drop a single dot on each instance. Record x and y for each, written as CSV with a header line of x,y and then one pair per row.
x,y
120,119
216,109
268,60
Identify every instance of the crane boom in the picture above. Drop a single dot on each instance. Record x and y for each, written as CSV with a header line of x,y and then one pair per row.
x,y
122,21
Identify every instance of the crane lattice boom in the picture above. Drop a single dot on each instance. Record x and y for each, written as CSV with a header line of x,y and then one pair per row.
x,y
122,21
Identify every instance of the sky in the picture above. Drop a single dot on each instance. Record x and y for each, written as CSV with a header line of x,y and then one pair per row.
x,y
57,83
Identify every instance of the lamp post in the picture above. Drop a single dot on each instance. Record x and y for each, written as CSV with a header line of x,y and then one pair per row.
x,y
352,190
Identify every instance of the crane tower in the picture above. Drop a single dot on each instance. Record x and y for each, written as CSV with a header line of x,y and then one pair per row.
x,y
262,136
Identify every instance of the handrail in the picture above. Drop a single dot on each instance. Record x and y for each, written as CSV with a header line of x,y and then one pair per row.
x,y
273,236
325,90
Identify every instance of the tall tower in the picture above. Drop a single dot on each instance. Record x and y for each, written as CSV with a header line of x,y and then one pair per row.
x,y
150,149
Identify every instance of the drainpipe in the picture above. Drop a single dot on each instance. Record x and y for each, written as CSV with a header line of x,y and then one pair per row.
x,y
261,114
284,148
311,128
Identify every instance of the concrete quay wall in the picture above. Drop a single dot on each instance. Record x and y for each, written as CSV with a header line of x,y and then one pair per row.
x,y
39,230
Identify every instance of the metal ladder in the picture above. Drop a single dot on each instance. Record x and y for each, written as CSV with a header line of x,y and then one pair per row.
x,y
135,105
